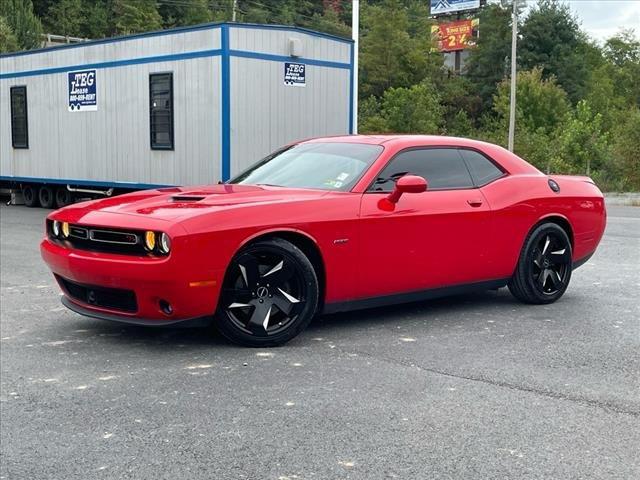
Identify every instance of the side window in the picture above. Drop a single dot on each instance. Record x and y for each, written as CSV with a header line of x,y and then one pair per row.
x,y
443,168
482,169
161,110
19,123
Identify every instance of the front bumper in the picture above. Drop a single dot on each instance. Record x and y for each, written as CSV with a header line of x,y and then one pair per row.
x,y
191,293
93,313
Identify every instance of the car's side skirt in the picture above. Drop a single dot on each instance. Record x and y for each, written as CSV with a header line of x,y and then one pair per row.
x,y
415,296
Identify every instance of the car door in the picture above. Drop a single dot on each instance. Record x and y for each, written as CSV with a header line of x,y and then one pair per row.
x,y
426,240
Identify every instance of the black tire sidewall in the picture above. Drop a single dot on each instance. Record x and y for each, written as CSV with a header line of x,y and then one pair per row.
x,y
63,197
46,202
289,251
527,283
33,201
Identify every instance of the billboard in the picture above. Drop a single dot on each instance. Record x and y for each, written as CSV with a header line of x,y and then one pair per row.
x,y
441,7
82,91
454,36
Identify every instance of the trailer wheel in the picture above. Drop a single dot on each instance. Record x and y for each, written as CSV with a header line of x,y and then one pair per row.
x,y
29,196
46,197
63,197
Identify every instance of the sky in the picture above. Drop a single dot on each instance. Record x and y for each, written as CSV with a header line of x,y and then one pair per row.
x,y
602,19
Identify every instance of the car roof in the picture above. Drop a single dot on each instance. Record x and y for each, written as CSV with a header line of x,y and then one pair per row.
x,y
403,140
511,162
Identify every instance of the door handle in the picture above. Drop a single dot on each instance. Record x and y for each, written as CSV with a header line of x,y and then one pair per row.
x,y
476,202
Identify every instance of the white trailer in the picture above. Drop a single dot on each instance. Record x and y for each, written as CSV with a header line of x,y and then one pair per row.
x,y
185,106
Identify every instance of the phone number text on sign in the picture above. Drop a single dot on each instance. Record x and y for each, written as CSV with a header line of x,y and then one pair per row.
x,y
82,91
295,74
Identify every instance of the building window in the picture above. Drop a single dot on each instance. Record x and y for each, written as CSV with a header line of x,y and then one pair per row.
x,y
161,110
19,123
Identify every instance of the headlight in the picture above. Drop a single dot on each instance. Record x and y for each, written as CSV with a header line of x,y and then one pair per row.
x,y
56,228
65,229
165,243
150,240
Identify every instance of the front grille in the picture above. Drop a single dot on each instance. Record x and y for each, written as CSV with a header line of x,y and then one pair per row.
x,y
109,236
99,239
111,298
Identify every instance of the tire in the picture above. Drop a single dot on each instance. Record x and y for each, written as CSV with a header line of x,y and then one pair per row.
x,y
544,267
46,197
63,197
30,196
270,294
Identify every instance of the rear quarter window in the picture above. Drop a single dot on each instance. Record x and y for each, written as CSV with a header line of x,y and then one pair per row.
x,y
482,169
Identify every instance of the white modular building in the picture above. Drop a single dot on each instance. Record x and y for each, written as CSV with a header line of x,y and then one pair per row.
x,y
186,106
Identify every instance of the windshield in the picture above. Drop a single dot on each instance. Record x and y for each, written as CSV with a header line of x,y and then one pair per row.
x,y
327,166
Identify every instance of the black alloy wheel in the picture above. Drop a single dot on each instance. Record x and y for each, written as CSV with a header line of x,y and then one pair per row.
x,y
545,265
270,294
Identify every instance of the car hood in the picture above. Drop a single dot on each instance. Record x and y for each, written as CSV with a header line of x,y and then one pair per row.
x,y
181,202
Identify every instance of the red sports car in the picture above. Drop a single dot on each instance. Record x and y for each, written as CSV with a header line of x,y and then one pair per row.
x,y
326,225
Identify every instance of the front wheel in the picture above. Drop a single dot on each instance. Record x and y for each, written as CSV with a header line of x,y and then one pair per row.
x,y
544,267
270,294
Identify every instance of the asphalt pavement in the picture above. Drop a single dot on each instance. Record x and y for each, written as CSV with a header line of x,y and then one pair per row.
x,y
470,387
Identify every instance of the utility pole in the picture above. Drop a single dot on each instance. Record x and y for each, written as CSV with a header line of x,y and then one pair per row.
x,y
355,28
233,13
512,107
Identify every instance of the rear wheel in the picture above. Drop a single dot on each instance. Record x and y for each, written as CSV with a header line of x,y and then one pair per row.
x,y
45,195
544,267
29,194
270,294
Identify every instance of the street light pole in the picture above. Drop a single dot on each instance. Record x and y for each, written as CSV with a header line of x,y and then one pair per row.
x,y
512,106
355,29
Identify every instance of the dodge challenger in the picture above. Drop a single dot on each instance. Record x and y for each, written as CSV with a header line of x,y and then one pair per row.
x,y
326,225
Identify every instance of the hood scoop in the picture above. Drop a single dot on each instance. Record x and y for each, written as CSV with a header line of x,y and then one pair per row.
x,y
187,198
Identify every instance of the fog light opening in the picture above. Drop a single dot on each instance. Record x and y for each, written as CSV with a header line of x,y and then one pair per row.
x,y
166,307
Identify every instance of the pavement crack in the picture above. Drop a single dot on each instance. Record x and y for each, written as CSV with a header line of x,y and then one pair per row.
x,y
611,407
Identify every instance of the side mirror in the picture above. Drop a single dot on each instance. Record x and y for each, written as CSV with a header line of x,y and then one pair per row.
x,y
407,184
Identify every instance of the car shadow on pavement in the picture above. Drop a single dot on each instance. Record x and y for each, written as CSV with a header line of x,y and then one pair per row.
x,y
468,307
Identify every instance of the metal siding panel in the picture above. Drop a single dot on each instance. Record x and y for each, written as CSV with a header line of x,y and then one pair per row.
x,y
276,42
266,114
112,144
123,50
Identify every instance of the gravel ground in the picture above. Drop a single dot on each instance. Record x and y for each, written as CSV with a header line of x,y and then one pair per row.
x,y
475,386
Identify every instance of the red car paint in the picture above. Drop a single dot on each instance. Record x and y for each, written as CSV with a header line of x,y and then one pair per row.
x,y
368,248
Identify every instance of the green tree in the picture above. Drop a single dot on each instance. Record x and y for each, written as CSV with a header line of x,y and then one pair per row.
x,y
623,54
186,12
415,109
542,109
552,41
329,22
582,142
133,16
626,149
489,62
25,26
8,41
540,104
67,16
95,22
389,55
623,48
